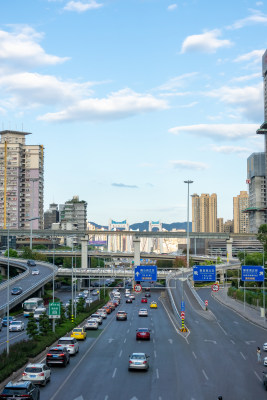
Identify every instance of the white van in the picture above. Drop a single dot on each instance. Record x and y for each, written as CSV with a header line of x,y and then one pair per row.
x,y
38,311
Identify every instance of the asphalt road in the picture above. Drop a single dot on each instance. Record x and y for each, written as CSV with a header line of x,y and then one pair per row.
x,y
217,358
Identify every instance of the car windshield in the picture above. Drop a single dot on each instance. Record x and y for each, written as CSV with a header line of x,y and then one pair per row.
x,y
15,322
56,351
137,357
65,341
15,390
33,369
142,330
77,330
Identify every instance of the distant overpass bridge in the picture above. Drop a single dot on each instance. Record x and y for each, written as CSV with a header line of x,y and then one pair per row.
x,y
165,234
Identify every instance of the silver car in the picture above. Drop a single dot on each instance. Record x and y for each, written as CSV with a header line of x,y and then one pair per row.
x,y
16,326
138,361
264,347
143,312
102,312
92,323
69,343
38,374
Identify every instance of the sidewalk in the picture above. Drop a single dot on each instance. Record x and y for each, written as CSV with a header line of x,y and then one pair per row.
x,y
250,313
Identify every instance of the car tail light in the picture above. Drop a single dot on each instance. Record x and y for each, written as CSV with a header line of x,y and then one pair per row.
x,y
71,345
24,374
41,374
49,355
61,355
130,362
144,362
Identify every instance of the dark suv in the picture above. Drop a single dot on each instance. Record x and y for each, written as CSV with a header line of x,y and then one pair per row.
x,y
31,263
20,390
57,355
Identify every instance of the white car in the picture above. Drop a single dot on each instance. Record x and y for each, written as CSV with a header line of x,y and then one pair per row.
x,y
35,271
16,326
265,361
92,323
38,374
39,311
143,312
97,317
264,347
69,343
102,312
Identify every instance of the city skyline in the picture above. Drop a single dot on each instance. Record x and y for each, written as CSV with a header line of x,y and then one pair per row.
x,y
132,98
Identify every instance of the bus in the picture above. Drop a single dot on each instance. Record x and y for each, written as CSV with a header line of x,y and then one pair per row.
x,y
30,305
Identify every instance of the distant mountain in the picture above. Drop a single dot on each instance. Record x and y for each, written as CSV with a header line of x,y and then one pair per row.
x,y
143,226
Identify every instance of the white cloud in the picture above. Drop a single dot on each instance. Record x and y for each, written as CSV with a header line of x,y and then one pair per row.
x,y
230,149
80,7
255,56
121,104
248,101
20,48
32,89
177,82
245,78
217,131
172,7
185,164
206,42
257,17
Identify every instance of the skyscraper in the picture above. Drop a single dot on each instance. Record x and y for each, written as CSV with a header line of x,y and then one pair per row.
x,y
204,213
241,219
21,181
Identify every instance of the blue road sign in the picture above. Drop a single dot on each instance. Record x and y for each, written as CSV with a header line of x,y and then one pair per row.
x,y
145,273
182,305
204,273
252,273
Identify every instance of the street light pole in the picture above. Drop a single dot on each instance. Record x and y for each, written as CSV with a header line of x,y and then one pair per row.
x,y
7,313
72,284
187,247
54,322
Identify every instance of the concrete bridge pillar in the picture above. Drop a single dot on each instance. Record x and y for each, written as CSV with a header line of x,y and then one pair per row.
x,y
2,271
136,244
229,249
84,244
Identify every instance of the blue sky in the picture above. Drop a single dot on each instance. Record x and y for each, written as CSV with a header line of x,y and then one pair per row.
x,y
132,97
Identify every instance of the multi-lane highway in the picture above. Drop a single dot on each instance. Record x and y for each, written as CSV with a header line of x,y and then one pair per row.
x,y
218,357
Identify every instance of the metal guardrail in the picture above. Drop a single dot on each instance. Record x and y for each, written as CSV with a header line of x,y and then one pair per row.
x,y
100,272
17,277
33,288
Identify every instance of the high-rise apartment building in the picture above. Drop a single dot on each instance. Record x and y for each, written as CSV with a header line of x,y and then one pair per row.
x,y
257,195
21,181
51,216
241,219
204,213
220,225
75,212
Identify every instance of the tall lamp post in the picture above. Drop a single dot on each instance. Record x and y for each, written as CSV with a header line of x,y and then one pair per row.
x,y
31,219
7,312
187,247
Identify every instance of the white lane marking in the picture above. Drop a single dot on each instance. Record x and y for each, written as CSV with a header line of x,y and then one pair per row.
x,y
235,322
80,361
157,373
257,375
130,324
152,324
155,354
153,340
204,373
106,397
153,331
250,342
114,373
242,355
194,355
120,353
79,398
232,341
124,340
210,341
224,331
128,330
196,321
170,341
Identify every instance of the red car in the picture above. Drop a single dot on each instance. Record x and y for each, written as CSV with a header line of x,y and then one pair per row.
x,y
143,334
144,300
